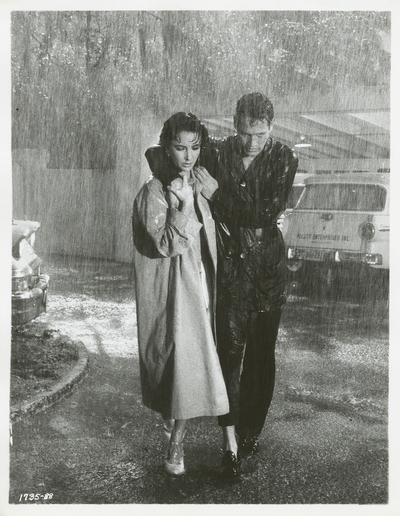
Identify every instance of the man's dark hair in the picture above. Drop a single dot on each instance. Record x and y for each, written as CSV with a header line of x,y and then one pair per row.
x,y
256,106
182,122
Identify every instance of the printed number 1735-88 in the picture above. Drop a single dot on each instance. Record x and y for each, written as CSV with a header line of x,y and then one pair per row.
x,y
35,497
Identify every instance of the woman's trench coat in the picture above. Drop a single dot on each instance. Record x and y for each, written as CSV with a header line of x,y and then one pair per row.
x,y
180,371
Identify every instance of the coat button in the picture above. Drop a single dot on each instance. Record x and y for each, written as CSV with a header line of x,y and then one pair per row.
x,y
243,184
243,255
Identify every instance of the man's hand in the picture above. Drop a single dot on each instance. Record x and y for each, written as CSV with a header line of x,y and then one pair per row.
x,y
207,182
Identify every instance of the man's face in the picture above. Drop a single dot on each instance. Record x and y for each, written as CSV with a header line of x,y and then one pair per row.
x,y
253,135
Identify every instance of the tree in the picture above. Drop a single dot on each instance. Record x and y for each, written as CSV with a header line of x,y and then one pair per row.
x,y
73,73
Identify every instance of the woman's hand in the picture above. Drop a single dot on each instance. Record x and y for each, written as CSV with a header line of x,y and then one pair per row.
x,y
182,191
173,201
207,182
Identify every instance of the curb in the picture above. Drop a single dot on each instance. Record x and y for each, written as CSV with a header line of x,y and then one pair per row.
x,y
45,399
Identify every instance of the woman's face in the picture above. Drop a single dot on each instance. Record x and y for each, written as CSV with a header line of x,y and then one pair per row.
x,y
185,150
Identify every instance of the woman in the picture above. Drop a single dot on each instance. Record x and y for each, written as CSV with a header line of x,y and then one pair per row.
x,y
175,268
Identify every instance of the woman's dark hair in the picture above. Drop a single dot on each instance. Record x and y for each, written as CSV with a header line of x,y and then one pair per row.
x,y
182,122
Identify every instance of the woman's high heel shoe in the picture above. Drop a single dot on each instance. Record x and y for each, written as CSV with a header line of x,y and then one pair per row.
x,y
174,461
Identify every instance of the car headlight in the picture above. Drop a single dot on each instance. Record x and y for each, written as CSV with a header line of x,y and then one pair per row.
x,y
21,275
20,284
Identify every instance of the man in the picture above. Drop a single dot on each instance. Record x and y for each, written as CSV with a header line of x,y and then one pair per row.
x,y
253,178
254,174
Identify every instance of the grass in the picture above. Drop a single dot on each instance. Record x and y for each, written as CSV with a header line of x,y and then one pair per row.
x,y
38,362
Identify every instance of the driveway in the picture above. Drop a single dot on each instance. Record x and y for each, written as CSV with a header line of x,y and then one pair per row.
x,y
324,442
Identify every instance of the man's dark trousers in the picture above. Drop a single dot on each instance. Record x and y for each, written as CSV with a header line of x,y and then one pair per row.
x,y
246,344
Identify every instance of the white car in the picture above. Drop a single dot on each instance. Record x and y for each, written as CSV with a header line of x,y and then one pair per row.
x,y
340,221
295,193
29,286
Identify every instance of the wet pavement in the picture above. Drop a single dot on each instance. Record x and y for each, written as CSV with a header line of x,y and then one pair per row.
x,y
324,442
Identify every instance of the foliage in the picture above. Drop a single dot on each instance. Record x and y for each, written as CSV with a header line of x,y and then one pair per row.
x,y
38,362
80,70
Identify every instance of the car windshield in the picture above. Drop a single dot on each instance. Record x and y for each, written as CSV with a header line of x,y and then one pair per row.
x,y
294,196
343,197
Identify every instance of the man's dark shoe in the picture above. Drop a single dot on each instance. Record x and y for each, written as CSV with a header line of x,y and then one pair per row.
x,y
230,465
247,447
